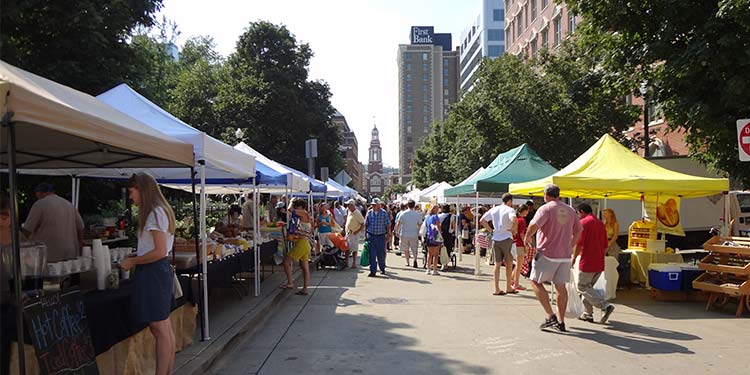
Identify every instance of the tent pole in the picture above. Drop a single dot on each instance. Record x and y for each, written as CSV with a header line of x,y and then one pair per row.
x,y
256,237
73,191
16,244
459,243
477,253
204,252
727,217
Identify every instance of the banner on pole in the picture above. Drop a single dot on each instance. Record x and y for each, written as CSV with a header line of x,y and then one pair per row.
x,y
665,210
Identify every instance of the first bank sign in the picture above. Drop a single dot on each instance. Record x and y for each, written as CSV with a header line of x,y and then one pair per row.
x,y
422,34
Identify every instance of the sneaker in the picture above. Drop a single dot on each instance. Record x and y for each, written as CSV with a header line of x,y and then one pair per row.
x,y
435,273
429,272
382,273
372,274
549,322
560,327
415,264
586,318
607,312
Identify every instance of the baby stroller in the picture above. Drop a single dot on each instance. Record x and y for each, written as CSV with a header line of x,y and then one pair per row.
x,y
453,258
333,246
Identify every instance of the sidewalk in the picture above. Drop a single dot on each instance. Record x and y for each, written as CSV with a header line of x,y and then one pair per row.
x,y
412,323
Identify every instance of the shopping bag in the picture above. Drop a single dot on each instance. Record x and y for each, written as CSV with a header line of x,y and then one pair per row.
x,y
364,260
444,258
575,304
601,286
464,234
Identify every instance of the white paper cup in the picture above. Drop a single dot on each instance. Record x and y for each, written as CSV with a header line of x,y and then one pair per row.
x,y
54,269
66,267
86,253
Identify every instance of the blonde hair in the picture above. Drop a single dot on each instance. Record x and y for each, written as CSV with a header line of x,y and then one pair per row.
x,y
613,217
151,198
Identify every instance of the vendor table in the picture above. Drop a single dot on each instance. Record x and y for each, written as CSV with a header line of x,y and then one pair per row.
x,y
640,260
121,345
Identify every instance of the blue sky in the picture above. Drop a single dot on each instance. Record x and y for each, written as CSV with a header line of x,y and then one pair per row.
x,y
355,44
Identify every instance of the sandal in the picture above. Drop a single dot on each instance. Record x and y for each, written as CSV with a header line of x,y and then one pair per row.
x,y
512,292
301,293
500,293
286,286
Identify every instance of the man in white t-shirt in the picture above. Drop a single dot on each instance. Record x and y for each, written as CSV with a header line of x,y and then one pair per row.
x,y
504,221
407,227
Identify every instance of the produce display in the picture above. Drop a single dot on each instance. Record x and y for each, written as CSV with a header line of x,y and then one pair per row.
x,y
727,272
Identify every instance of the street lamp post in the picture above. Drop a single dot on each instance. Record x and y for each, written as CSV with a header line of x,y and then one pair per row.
x,y
646,141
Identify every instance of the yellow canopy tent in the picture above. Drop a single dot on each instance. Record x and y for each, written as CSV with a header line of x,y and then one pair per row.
x,y
609,170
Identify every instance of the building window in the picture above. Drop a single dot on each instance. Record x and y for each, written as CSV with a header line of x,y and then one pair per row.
x,y
571,22
425,76
425,56
425,66
408,87
426,87
558,31
408,130
445,71
533,10
408,98
545,38
408,76
445,81
408,108
408,66
519,29
533,49
408,138
426,119
526,16
544,3
446,92
495,35
407,55
498,14
446,102
445,61
494,51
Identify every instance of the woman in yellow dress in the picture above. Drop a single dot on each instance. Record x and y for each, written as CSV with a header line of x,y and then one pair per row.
x,y
301,250
613,231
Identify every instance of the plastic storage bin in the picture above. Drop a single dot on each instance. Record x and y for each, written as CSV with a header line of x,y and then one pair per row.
x,y
689,273
665,276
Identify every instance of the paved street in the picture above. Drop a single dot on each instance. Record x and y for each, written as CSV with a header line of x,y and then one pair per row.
x,y
411,323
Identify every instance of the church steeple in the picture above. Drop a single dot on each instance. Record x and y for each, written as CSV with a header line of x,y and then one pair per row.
x,y
375,162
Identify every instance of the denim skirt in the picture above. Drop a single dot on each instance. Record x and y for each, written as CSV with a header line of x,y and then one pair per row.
x,y
153,284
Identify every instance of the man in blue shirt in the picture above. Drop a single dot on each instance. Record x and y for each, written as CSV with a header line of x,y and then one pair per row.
x,y
377,227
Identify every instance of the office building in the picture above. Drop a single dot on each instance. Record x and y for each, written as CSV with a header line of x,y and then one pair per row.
x,y
349,153
428,86
485,38
532,25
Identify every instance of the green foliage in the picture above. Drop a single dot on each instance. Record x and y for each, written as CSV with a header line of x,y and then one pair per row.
x,y
559,105
270,97
82,44
694,55
394,189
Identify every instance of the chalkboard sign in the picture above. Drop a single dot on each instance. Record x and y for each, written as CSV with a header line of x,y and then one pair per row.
x,y
59,331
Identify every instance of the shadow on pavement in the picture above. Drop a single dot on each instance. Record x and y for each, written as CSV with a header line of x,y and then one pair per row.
x,y
623,327
630,344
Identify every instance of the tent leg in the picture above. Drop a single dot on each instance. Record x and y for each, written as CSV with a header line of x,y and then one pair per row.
x,y
477,263
256,237
459,242
16,244
196,230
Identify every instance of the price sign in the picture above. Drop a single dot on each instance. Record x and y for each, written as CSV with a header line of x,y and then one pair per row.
x,y
60,334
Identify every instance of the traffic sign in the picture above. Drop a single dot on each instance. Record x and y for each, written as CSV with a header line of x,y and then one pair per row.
x,y
343,178
743,139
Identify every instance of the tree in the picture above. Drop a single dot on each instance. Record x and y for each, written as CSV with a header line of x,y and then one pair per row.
x,y
153,53
693,54
394,190
199,75
83,44
270,97
559,105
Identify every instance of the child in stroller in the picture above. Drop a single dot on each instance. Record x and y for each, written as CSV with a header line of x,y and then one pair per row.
x,y
333,247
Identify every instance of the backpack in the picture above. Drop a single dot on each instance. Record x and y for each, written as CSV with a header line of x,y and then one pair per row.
x,y
445,225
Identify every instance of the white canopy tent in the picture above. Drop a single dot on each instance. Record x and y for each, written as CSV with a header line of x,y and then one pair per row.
x,y
433,191
294,182
48,125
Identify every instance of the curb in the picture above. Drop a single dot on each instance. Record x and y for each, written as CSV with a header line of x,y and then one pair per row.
x,y
248,325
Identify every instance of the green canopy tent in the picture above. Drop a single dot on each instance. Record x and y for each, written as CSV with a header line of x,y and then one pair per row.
x,y
520,164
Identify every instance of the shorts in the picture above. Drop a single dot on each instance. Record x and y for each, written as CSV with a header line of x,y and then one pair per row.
x,y
520,252
301,250
501,250
352,242
545,270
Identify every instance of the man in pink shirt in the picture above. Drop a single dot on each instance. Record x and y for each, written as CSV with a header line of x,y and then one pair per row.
x,y
557,228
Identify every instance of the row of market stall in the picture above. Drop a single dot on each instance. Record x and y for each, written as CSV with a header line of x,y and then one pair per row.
x,y
51,129
606,171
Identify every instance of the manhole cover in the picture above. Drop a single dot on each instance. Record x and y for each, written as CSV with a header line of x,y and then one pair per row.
x,y
389,301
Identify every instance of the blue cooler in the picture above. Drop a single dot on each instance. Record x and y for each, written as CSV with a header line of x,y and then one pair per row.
x,y
664,276
689,273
